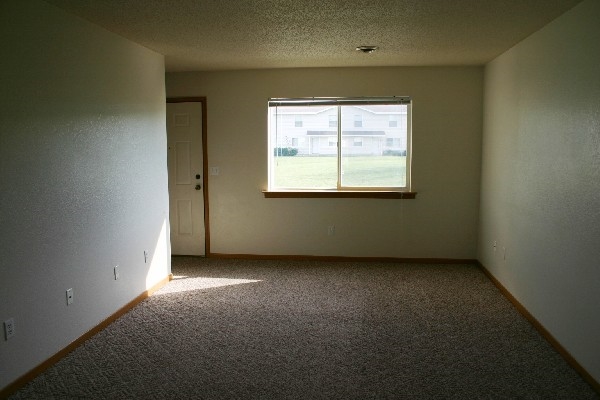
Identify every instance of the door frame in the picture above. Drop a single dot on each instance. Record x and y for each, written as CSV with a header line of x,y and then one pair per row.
x,y
201,100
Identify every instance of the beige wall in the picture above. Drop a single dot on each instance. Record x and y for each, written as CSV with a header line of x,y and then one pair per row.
x,y
540,195
441,222
83,178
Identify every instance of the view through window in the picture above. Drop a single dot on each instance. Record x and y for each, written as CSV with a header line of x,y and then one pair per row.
x,y
341,144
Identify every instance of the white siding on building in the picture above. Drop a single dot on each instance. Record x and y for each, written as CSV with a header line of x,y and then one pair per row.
x,y
309,130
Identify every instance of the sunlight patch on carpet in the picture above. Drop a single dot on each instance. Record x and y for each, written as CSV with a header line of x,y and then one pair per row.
x,y
182,283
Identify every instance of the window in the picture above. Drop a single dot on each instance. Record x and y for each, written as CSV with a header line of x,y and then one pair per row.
x,y
393,143
340,157
333,121
393,122
298,121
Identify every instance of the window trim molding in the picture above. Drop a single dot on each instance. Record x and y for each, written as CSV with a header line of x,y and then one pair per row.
x,y
341,194
336,101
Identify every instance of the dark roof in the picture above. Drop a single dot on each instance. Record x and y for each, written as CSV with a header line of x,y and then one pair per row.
x,y
346,133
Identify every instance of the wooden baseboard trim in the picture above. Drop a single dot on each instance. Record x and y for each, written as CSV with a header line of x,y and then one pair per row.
x,y
343,259
19,382
542,330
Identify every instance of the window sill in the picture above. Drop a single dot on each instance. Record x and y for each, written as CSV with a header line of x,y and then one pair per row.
x,y
345,194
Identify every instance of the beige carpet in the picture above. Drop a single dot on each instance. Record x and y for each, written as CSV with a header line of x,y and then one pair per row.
x,y
232,329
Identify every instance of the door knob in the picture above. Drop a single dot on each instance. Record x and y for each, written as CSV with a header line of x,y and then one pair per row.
x,y
198,187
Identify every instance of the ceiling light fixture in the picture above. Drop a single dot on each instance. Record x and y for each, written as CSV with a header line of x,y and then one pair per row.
x,y
367,49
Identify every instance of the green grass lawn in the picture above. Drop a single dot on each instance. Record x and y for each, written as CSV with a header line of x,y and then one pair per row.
x,y
321,172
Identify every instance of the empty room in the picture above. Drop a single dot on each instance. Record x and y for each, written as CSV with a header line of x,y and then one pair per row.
x,y
291,199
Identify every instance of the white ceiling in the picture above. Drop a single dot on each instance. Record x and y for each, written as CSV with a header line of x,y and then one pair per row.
x,y
202,35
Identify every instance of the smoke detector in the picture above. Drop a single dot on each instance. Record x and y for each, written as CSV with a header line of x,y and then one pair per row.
x,y
367,49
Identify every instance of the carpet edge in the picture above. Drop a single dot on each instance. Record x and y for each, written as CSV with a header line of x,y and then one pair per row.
x,y
300,257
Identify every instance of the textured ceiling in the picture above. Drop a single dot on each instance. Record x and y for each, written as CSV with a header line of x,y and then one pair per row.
x,y
246,34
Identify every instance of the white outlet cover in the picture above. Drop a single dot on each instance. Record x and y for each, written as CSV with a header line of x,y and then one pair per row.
x,y
9,328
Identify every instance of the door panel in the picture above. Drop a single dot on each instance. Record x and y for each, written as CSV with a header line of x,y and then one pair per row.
x,y
184,158
183,167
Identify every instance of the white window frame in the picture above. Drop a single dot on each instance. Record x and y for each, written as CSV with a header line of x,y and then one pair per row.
x,y
339,101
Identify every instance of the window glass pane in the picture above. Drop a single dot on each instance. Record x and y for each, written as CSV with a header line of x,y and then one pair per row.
x,y
380,158
309,161
374,141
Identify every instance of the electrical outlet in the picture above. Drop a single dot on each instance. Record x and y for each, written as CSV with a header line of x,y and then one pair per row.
x,y
116,270
69,296
146,255
331,230
9,328
214,171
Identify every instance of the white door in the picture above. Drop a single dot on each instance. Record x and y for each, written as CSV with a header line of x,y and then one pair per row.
x,y
184,159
